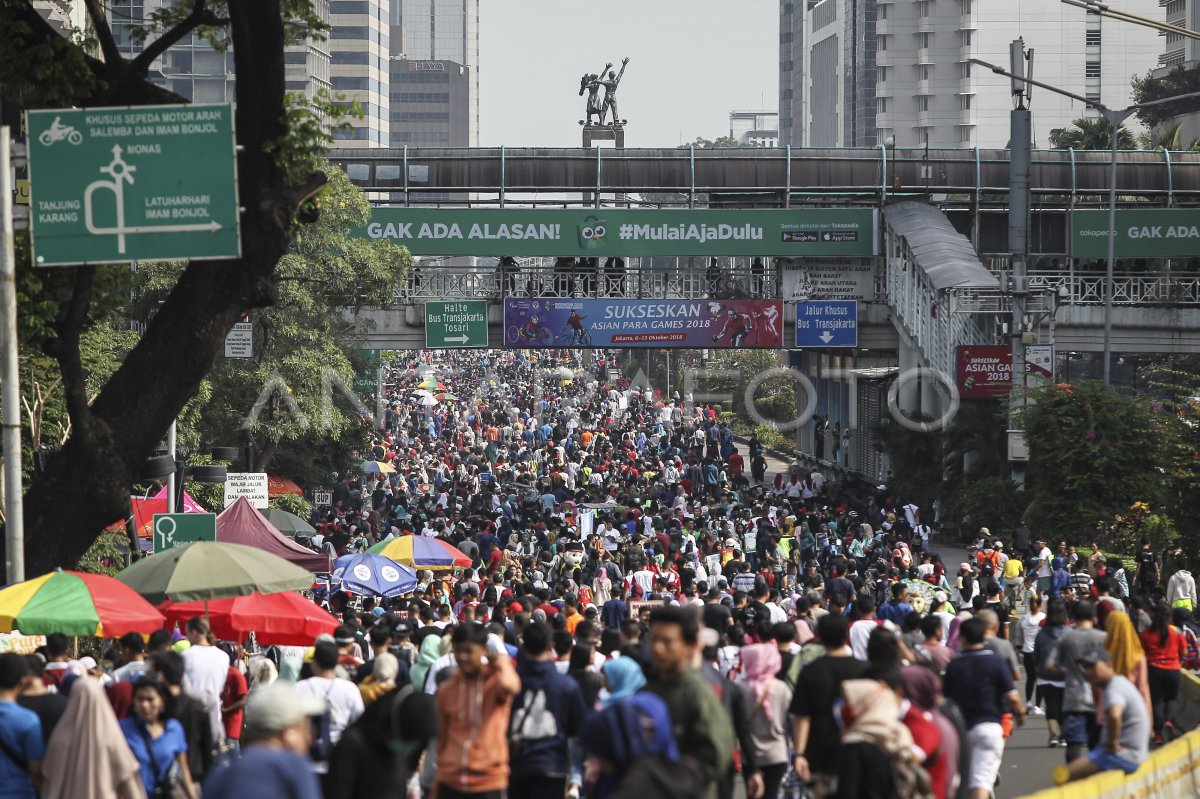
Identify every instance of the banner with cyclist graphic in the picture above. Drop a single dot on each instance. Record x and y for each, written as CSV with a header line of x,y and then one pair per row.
x,y
713,324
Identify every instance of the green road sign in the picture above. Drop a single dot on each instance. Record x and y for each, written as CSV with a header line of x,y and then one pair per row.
x,y
604,232
173,529
113,185
456,324
367,381
1150,233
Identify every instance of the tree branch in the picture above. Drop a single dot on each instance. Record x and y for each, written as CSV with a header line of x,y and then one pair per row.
x,y
108,45
137,69
66,347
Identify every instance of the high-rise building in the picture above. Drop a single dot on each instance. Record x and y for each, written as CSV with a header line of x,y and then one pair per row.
x,y
359,48
754,128
859,71
306,66
193,69
1180,51
438,31
431,103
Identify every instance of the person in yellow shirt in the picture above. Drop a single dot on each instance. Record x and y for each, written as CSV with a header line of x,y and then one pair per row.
x,y
1012,579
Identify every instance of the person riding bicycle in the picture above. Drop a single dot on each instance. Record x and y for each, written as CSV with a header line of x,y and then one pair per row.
x,y
575,322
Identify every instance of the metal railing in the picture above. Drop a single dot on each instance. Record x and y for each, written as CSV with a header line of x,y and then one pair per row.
x,y
1087,288
539,277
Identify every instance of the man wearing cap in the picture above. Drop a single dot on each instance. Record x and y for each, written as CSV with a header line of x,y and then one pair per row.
x,y
1125,732
276,740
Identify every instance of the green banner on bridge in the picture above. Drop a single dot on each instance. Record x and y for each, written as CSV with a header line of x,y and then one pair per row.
x,y
1150,233
620,232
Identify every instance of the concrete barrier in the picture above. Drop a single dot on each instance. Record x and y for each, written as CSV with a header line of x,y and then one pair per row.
x,y
1171,772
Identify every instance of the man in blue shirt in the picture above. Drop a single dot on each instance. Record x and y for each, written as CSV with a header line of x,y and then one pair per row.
x,y
981,683
21,744
897,608
275,742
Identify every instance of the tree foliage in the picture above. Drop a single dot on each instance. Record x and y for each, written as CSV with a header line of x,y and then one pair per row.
x,y
1093,452
1178,81
116,422
1091,134
290,399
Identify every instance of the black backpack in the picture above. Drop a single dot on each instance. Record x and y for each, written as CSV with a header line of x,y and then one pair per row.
x,y
322,732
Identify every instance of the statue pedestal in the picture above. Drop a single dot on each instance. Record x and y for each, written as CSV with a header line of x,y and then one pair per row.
x,y
595,133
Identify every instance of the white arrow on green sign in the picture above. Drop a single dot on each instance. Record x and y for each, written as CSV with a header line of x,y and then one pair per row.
x,y
114,185
456,324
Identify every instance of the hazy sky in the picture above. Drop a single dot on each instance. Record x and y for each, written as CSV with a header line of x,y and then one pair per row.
x,y
691,62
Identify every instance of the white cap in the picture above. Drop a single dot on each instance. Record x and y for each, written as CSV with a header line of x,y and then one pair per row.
x,y
274,707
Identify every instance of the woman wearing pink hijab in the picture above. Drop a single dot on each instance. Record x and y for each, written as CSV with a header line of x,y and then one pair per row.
x,y
768,720
87,757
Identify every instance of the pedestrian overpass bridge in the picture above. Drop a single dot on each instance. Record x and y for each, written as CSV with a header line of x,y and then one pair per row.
x,y
1156,301
940,278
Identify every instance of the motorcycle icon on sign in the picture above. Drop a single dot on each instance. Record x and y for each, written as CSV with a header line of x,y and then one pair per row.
x,y
58,132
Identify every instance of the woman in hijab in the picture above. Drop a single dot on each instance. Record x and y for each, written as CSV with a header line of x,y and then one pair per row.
x,y
87,757
623,677
431,650
768,719
382,679
932,731
630,742
1125,649
877,751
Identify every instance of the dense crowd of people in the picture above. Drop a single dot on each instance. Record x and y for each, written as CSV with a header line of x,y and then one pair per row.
x,y
647,613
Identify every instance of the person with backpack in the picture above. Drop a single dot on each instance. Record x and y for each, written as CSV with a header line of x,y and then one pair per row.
x,y
343,700
547,715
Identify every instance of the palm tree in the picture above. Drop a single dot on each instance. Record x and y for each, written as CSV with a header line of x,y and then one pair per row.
x,y
1091,134
1169,138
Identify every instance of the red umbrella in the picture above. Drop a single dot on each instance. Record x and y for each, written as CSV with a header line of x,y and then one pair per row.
x,y
286,619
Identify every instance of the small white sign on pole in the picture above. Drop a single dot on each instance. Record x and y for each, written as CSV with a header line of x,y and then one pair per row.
x,y
251,485
239,341
323,498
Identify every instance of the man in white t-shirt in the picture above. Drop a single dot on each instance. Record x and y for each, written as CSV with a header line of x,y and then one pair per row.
x,y
343,698
912,514
205,670
1044,556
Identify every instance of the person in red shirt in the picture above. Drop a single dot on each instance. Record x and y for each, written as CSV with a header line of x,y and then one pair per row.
x,y
233,698
1165,650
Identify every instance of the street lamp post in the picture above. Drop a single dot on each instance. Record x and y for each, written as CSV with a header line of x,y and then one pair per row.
x,y
1115,118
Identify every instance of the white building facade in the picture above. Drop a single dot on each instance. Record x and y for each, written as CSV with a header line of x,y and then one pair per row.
x,y
859,71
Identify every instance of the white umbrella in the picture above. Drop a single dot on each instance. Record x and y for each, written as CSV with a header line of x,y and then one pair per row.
x,y
422,392
427,401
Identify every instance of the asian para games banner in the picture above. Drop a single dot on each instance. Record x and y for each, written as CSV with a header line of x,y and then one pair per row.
x,y
621,232
716,324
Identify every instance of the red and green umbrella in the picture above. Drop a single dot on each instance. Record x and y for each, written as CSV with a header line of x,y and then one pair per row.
x,y
76,603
